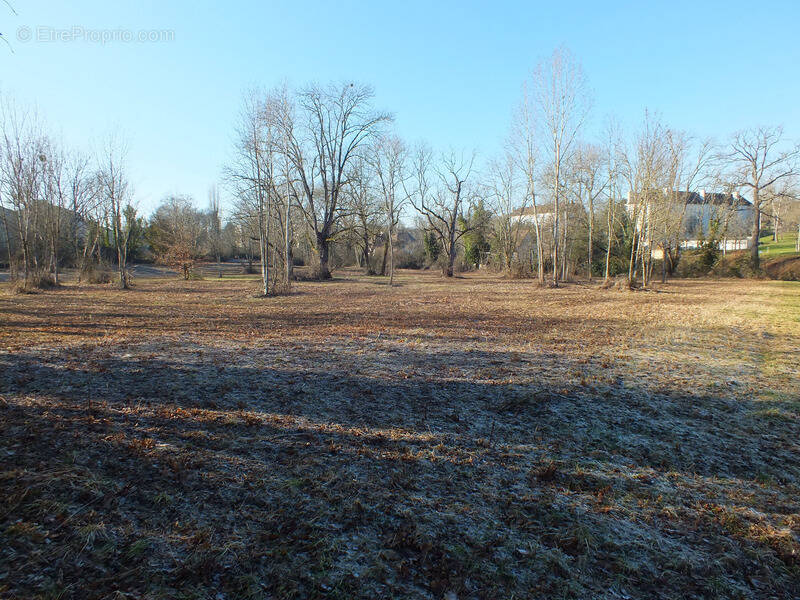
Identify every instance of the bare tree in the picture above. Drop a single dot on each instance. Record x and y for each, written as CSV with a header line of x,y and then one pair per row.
x,y
783,203
178,232
388,158
84,202
22,179
561,96
363,212
591,175
504,191
525,143
55,196
339,120
646,169
760,159
443,205
284,113
215,229
615,165
686,164
115,192
251,173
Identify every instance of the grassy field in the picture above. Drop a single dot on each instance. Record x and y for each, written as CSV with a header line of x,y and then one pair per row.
x,y
474,438
785,246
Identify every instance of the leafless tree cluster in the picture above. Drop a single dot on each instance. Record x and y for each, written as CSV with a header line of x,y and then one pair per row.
x,y
319,167
59,206
293,170
761,162
318,175
564,204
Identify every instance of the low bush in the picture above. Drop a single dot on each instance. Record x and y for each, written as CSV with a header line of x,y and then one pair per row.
x,y
694,263
96,275
521,270
409,260
34,283
619,283
691,264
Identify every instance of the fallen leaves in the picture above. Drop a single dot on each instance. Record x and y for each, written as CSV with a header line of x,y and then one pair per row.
x,y
451,439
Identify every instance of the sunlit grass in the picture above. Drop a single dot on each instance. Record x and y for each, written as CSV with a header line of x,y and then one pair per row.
x,y
786,245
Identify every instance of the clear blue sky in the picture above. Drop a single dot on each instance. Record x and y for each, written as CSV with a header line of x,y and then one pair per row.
x,y
451,72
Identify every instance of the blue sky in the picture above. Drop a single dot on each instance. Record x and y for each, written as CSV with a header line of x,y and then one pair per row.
x,y
451,72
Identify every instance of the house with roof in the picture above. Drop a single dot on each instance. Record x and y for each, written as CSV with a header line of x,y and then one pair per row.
x,y
697,211
528,216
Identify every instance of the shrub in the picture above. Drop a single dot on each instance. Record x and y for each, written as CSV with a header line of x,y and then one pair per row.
x,y
433,247
96,275
35,282
692,264
728,266
409,260
521,270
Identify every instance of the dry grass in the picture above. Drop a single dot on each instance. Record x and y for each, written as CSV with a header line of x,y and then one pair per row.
x,y
474,438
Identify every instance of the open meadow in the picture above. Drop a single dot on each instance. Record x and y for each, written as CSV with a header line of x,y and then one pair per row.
x,y
468,438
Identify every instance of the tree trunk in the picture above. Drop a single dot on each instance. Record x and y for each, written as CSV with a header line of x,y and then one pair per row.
x,y
391,259
556,208
555,243
451,253
25,261
54,255
564,245
287,241
265,247
8,238
385,257
323,247
364,259
754,259
123,281
797,243
448,270
539,255
610,235
591,233
634,255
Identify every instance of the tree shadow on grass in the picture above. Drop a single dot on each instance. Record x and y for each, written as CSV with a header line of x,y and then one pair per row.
x,y
187,474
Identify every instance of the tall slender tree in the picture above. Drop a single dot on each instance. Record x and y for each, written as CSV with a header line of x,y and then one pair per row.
x,y
388,158
115,191
562,100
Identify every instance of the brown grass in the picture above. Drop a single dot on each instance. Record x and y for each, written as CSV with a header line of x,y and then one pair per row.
x,y
479,437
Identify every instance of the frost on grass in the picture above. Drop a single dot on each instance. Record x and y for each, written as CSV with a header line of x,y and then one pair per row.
x,y
473,439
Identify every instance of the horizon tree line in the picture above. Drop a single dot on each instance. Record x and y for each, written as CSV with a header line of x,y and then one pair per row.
x,y
320,169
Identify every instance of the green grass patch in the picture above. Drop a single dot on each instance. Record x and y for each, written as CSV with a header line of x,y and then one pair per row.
x,y
786,245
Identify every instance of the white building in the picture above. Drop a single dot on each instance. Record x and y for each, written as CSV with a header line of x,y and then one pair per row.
x,y
527,216
697,211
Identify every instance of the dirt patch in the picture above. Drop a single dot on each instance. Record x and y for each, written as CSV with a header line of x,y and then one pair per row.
x,y
785,268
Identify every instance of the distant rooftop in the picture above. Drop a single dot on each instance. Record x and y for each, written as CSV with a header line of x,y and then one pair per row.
x,y
703,197
528,210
